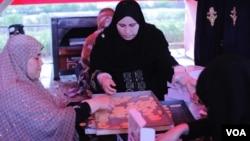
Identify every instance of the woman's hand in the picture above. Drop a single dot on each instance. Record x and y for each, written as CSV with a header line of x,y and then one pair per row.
x,y
100,102
174,133
107,83
182,79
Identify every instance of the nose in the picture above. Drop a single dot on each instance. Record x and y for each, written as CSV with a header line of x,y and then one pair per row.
x,y
41,62
127,30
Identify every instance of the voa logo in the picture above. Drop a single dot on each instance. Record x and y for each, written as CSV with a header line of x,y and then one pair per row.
x,y
236,132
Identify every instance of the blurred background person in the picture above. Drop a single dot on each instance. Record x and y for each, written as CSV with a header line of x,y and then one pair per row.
x,y
103,20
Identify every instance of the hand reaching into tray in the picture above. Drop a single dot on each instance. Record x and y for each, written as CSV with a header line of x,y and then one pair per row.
x,y
100,102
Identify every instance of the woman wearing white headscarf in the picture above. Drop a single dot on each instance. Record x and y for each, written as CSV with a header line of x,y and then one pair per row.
x,y
28,110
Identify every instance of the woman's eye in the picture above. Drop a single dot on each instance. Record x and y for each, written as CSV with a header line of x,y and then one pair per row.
x,y
122,25
38,57
133,25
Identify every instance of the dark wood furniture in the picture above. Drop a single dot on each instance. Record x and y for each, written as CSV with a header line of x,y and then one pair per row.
x,y
66,52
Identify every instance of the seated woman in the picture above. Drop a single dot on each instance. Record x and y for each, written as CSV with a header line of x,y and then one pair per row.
x,y
223,87
131,55
28,110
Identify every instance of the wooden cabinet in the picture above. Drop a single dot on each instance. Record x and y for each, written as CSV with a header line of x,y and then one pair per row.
x,y
68,35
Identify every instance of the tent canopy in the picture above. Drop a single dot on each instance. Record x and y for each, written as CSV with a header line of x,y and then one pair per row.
x,y
5,3
22,2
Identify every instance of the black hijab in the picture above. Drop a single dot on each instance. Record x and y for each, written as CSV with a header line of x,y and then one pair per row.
x,y
223,87
128,8
117,54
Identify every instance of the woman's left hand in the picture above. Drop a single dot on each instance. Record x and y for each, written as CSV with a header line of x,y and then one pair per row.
x,y
108,85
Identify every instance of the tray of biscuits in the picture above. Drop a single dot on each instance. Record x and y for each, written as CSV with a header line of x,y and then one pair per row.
x,y
116,120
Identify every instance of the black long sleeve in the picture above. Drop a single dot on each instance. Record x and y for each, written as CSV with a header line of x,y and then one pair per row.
x,y
198,128
82,113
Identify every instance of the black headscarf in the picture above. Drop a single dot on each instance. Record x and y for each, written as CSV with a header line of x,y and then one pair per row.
x,y
122,11
123,55
223,87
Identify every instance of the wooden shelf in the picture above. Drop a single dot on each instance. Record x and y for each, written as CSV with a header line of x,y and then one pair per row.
x,y
65,57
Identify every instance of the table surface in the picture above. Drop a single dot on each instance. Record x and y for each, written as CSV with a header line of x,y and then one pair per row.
x,y
143,101
187,116
175,95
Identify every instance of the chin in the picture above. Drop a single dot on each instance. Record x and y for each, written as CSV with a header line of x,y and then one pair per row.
x,y
38,77
34,78
128,39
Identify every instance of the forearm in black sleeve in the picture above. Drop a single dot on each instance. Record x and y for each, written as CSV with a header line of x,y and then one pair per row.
x,y
198,128
82,112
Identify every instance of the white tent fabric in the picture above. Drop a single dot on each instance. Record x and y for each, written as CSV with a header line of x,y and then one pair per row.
x,y
4,4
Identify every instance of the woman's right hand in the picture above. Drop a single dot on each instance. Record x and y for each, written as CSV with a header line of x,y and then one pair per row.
x,y
100,102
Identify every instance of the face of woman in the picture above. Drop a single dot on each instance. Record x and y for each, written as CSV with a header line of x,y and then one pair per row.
x,y
34,66
127,28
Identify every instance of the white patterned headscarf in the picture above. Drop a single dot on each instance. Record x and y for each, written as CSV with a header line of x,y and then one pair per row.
x,y
28,110
18,50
